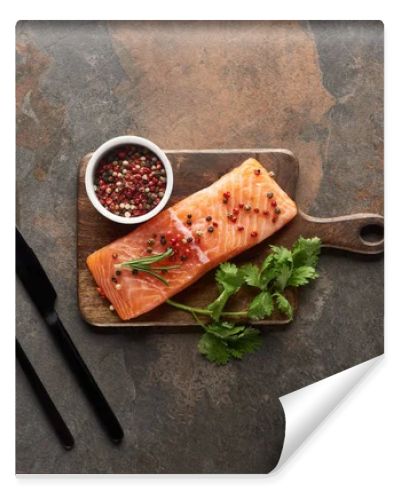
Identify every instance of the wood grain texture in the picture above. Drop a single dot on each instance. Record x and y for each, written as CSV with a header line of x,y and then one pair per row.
x,y
194,170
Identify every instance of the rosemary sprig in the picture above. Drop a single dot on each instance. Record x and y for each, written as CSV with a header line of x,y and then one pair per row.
x,y
151,259
142,264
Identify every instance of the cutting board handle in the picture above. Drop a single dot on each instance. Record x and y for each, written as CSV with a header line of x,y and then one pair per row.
x,y
361,233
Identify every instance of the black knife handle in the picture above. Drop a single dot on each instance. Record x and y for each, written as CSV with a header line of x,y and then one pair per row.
x,y
85,378
56,420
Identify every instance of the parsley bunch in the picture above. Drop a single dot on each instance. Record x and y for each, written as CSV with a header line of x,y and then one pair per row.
x,y
282,268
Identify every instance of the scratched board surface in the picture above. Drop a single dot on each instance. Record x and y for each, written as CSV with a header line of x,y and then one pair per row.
x,y
315,88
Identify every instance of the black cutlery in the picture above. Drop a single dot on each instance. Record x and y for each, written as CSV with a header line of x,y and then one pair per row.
x,y
50,409
43,294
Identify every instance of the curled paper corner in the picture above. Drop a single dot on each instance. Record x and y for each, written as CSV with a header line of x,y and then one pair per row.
x,y
306,408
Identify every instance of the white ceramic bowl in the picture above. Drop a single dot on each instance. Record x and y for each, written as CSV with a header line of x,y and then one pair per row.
x,y
107,147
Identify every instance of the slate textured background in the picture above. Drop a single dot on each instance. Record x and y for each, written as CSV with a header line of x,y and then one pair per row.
x,y
313,87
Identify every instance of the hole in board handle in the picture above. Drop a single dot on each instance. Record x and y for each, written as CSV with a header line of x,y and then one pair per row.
x,y
372,234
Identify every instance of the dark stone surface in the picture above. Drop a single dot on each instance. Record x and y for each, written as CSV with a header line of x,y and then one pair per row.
x,y
315,88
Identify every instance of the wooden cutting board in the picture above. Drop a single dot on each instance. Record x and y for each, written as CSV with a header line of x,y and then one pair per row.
x,y
194,170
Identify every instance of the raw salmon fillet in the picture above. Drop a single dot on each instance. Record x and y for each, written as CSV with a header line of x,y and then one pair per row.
x,y
247,185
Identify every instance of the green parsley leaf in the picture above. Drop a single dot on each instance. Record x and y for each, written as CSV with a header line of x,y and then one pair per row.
x,y
214,349
302,275
249,344
268,261
261,306
306,252
229,278
223,341
224,329
283,305
283,264
283,276
281,254
248,331
268,270
251,275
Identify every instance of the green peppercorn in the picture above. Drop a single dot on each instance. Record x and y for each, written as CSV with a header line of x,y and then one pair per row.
x,y
210,229
208,218
117,272
277,210
270,195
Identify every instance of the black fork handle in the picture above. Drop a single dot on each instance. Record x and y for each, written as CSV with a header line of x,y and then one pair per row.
x,y
50,409
85,379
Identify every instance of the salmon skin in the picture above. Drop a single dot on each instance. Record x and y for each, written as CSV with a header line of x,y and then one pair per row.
x,y
246,206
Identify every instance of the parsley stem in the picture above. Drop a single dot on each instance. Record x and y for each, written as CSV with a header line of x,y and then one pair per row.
x,y
204,312
183,307
234,314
